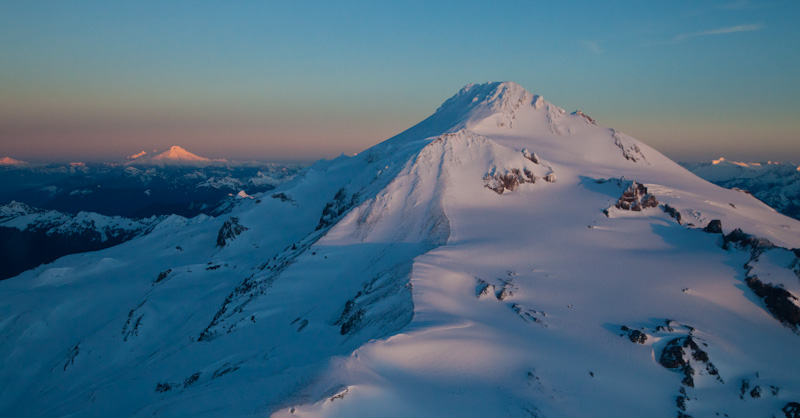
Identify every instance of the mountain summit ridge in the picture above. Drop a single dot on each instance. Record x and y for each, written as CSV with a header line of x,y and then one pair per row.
x,y
501,257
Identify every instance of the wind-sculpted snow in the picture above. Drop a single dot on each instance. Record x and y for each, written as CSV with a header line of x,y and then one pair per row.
x,y
401,282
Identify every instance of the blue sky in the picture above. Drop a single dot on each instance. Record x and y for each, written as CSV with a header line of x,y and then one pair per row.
x,y
90,80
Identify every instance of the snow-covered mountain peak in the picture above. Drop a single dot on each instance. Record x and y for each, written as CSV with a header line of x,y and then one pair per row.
x,y
477,101
505,105
10,161
494,95
175,155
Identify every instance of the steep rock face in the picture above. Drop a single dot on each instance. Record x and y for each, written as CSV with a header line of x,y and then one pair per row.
x,y
780,302
396,283
229,230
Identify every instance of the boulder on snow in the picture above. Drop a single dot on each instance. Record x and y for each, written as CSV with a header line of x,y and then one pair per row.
x,y
714,227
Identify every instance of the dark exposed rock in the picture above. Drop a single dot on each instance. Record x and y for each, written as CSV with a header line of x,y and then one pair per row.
x,y
636,198
744,387
161,276
756,392
714,227
635,335
779,301
680,353
283,197
73,352
791,410
680,400
629,149
230,230
352,322
225,369
339,395
673,213
743,240
303,324
529,315
483,288
507,291
163,387
585,116
131,327
191,379
340,204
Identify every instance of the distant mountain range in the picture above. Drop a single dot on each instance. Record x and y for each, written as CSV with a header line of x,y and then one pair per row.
x,y
776,184
51,210
173,182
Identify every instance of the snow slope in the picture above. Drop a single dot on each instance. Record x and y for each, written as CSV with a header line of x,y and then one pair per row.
x,y
481,263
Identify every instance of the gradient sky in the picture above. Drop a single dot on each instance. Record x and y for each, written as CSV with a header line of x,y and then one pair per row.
x,y
99,80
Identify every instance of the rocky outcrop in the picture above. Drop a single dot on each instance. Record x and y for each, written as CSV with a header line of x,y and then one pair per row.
x,y
739,239
230,230
780,302
673,213
628,146
683,352
588,118
634,335
636,198
791,410
714,227
510,180
340,204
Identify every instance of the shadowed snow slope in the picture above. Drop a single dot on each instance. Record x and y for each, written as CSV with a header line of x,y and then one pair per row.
x,y
478,264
